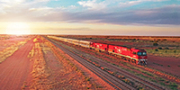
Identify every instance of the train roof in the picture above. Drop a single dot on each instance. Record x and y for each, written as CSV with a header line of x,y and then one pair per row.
x,y
132,48
138,50
113,44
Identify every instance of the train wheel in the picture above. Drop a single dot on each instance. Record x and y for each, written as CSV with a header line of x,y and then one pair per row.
x,y
134,61
137,62
127,59
107,53
124,58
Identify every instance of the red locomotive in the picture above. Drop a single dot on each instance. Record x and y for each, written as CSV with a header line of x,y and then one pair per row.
x,y
133,55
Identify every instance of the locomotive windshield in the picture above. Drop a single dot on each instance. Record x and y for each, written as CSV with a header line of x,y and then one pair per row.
x,y
141,54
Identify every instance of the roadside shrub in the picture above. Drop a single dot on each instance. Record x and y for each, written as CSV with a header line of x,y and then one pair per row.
x,y
156,49
160,79
140,88
126,81
173,86
160,48
166,48
88,78
164,39
153,80
158,39
162,84
166,51
155,44
134,39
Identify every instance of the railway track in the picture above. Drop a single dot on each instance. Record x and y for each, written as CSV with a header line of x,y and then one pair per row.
x,y
137,79
109,78
113,81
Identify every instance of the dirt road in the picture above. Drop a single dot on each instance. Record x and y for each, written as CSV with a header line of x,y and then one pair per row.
x,y
15,69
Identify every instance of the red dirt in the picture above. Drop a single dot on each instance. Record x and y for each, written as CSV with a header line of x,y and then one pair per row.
x,y
9,42
95,78
80,83
165,61
15,69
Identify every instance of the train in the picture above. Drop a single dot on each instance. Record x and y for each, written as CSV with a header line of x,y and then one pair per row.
x,y
134,55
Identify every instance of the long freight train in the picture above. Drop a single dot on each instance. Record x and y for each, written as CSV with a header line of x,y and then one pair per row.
x,y
133,55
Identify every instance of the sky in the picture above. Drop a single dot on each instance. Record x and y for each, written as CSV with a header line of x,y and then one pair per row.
x,y
91,17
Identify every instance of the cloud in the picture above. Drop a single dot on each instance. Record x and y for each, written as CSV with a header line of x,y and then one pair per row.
x,y
40,9
10,1
169,15
33,11
135,2
93,4
105,4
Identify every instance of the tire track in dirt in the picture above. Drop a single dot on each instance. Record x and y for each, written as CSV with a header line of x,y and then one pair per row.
x,y
15,69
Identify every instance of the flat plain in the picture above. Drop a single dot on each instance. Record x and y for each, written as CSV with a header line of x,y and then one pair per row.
x,y
38,62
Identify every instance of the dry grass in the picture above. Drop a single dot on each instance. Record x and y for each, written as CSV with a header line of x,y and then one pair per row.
x,y
73,78
165,52
46,76
7,52
40,72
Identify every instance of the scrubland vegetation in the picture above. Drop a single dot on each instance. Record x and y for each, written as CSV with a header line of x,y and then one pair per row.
x,y
156,47
52,70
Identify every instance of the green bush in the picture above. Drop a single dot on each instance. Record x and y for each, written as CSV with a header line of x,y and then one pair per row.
x,y
166,48
162,84
156,49
173,86
88,78
155,44
160,48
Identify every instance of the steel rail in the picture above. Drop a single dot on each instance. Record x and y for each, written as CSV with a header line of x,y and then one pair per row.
x,y
113,81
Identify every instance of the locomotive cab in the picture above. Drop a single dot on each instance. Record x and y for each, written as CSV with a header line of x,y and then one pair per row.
x,y
139,55
142,57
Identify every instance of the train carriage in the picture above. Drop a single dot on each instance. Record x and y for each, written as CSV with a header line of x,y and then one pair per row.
x,y
134,55
99,46
84,43
76,42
